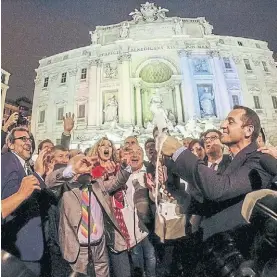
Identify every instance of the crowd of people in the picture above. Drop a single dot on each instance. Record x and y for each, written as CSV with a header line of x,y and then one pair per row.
x,y
128,212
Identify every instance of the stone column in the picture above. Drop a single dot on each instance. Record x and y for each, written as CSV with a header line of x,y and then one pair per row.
x,y
222,96
92,91
138,103
124,109
187,85
178,99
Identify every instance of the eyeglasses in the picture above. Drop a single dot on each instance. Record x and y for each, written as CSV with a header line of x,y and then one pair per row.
x,y
212,138
24,139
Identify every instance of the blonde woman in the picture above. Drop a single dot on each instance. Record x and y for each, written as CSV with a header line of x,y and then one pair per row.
x,y
108,158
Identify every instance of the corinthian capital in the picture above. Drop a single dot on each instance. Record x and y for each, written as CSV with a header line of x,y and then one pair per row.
x,y
137,83
184,53
72,72
176,79
213,54
95,62
124,57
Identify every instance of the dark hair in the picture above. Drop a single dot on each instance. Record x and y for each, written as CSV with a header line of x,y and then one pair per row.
x,y
42,142
60,147
210,131
250,118
11,136
263,134
194,141
148,141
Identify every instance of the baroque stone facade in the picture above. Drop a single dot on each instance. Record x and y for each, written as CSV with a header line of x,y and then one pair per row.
x,y
111,83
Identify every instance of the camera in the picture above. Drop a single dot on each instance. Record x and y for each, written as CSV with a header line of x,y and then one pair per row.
x,y
23,117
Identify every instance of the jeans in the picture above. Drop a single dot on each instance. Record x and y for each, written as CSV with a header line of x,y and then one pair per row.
x,y
120,264
144,254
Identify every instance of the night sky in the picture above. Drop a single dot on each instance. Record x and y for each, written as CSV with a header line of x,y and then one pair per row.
x,y
34,29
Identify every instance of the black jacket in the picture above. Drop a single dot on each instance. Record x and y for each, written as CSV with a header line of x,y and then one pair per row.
x,y
207,184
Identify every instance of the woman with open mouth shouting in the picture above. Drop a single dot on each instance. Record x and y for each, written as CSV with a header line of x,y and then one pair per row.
x,y
108,161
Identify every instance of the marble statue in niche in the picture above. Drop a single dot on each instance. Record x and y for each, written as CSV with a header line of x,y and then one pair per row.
x,y
124,31
111,110
110,71
158,111
178,27
201,66
206,101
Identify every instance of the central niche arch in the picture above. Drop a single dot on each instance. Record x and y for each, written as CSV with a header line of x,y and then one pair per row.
x,y
156,76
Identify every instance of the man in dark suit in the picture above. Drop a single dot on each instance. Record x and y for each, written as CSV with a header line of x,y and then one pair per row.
x,y
239,132
214,151
22,230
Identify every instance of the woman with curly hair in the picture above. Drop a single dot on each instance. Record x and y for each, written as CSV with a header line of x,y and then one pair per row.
x,y
108,158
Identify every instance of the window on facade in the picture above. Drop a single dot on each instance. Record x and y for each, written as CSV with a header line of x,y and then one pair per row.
x,y
41,116
235,99
265,66
81,111
258,45
58,141
84,74
60,113
63,80
257,102
227,63
240,43
247,64
45,83
274,101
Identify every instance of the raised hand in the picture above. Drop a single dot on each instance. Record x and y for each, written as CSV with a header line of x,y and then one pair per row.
x,y
110,167
68,123
82,164
11,120
41,161
170,146
27,186
271,150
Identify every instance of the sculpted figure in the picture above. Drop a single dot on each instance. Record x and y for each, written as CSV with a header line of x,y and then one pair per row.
x,y
207,103
111,110
94,36
124,32
178,27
